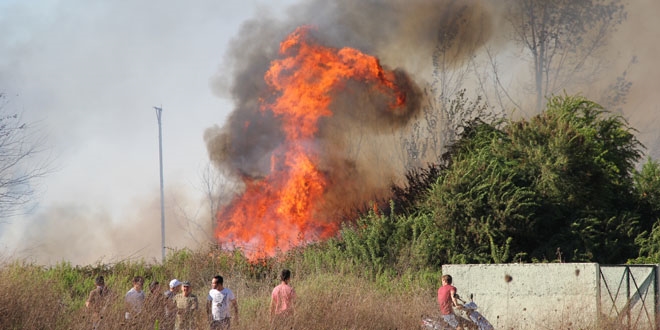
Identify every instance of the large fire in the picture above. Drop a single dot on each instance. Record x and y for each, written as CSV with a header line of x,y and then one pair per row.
x,y
281,210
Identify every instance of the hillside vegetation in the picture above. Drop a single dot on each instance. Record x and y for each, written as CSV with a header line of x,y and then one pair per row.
x,y
559,187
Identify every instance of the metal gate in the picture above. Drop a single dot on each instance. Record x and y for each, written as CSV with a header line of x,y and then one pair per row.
x,y
628,297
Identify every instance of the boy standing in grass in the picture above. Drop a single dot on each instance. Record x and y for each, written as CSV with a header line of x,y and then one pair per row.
x,y
447,302
97,301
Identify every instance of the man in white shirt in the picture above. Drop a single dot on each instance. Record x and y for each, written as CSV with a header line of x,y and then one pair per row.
x,y
217,305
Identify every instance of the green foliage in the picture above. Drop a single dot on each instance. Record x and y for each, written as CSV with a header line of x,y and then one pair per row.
x,y
647,187
649,252
70,280
418,182
562,178
367,241
559,186
586,161
391,241
479,196
647,191
500,254
518,190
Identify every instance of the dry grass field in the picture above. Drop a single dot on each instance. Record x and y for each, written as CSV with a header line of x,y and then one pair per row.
x,y
37,297
331,295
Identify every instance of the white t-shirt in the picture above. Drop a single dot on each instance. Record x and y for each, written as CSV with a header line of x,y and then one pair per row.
x,y
220,303
135,299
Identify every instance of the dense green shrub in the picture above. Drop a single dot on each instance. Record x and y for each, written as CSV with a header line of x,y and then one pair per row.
x,y
559,186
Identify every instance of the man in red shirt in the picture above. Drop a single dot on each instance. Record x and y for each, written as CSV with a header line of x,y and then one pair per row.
x,y
447,301
282,303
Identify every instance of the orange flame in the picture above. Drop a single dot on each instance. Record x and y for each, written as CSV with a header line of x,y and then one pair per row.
x,y
282,210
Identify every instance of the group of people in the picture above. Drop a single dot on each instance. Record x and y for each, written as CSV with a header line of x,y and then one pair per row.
x,y
177,307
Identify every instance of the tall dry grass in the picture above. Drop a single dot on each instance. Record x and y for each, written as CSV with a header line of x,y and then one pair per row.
x,y
26,301
333,294
37,297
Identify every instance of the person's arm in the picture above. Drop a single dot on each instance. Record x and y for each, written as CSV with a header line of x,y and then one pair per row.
x,y
454,300
89,299
209,302
127,305
272,307
234,306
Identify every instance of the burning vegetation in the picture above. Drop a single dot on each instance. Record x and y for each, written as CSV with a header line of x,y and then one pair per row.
x,y
321,105
290,204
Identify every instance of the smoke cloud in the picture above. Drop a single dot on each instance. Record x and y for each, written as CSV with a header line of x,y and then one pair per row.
x,y
81,234
357,144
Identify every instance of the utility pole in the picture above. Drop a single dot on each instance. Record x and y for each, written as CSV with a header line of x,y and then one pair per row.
x,y
162,192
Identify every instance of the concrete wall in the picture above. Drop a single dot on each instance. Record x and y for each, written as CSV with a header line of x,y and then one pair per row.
x,y
531,296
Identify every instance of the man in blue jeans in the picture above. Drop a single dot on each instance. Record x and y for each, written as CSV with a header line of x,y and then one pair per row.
x,y
447,301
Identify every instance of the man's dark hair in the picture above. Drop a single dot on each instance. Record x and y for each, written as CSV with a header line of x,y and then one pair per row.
x,y
137,279
218,279
99,280
285,275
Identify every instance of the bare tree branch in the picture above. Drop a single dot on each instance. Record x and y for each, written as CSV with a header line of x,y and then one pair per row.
x,y
20,168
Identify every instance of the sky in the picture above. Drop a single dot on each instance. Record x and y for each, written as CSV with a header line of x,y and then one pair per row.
x,y
87,74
